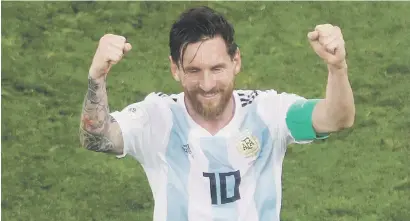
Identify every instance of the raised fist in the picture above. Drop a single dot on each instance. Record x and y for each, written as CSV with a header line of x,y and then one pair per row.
x,y
327,41
111,49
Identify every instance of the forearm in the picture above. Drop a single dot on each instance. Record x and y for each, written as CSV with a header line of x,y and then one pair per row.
x,y
95,117
339,101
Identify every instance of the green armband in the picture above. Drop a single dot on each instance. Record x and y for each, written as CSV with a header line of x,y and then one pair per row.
x,y
299,120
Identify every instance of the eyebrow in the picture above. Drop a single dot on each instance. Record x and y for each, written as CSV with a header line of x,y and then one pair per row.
x,y
219,65
192,68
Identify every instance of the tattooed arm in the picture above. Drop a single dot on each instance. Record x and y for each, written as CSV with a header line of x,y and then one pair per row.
x,y
98,130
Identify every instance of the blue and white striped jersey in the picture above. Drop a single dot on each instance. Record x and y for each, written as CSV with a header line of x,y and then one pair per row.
x,y
234,175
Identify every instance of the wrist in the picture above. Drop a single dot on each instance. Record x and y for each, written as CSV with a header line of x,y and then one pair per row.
x,y
96,74
338,68
96,78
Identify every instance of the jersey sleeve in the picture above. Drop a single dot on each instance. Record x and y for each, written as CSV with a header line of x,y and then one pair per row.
x,y
291,115
140,123
298,112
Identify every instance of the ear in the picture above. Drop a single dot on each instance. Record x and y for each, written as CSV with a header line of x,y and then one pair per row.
x,y
237,60
174,69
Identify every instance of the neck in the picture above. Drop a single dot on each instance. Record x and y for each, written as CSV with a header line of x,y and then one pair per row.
x,y
215,124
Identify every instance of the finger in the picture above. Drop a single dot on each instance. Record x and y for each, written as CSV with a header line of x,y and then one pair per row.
x,y
318,48
337,30
120,38
324,30
340,51
321,27
127,47
119,45
114,49
332,46
313,35
333,39
118,42
114,57
329,39
337,46
334,36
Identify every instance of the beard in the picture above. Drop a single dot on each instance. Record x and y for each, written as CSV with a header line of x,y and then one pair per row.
x,y
210,108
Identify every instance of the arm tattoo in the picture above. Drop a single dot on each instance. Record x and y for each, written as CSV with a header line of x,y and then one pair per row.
x,y
95,142
93,88
112,119
95,119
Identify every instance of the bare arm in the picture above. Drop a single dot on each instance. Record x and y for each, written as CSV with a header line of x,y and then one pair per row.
x,y
337,110
98,130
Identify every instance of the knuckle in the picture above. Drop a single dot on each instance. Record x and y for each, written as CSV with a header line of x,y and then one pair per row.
x,y
112,39
120,39
323,26
105,37
336,30
323,39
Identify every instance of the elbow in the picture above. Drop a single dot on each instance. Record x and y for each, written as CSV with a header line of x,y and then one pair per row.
x,y
347,121
84,138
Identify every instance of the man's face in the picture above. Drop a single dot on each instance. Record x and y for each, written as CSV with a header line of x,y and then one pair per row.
x,y
207,76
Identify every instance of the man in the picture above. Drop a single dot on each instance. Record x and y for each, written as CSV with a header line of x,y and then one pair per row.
x,y
212,152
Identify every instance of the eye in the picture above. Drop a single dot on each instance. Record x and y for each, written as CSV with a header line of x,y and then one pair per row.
x,y
192,70
217,69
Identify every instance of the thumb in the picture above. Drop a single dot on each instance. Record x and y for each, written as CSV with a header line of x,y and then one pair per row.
x,y
317,47
313,35
127,47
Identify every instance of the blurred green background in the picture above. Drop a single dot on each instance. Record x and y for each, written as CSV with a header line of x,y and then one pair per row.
x,y
359,174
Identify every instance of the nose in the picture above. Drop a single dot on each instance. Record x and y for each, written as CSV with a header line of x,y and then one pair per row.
x,y
208,82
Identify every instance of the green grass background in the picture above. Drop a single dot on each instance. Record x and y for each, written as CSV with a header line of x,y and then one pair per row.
x,y
359,174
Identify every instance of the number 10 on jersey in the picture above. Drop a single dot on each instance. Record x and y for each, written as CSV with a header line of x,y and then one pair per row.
x,y
227,182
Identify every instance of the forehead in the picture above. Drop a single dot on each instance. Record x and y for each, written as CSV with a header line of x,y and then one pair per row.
x,y
206,53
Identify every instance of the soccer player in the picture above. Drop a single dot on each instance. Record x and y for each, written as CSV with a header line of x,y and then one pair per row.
x,y
213,152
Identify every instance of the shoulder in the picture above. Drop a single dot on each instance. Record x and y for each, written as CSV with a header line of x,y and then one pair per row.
x,y
269,97
272,106
254,97
160,97
164,104
153,105
248,97
156,101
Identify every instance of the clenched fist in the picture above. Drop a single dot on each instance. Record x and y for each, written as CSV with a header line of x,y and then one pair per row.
x,y
327,41
111,49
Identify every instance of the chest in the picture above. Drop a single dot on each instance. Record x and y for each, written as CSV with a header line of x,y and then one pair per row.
x,y
241,144
239,150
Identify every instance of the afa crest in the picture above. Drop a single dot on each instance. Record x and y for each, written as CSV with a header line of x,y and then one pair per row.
x,y
248,146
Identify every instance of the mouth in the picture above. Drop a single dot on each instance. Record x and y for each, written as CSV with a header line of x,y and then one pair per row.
x,y
209,96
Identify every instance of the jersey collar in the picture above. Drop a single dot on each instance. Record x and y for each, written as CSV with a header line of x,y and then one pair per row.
x,y
229,129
